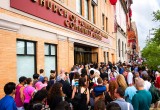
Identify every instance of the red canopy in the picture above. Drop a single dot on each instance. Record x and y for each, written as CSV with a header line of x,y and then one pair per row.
x,y
113,2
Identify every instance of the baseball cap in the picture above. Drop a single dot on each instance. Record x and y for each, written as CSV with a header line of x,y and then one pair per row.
x,y
39,85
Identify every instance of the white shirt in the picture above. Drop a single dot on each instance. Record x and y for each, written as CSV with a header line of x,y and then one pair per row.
x,y
147,85
116,73
130,78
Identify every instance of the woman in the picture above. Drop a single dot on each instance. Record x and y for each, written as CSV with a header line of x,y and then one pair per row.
x,y
84,94
39,101
28,93
55,95
121,81
110,94
75,79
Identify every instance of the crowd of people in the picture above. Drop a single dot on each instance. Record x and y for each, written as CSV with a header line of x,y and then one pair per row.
x,y
109,86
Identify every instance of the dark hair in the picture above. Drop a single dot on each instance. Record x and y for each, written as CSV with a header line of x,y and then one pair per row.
x,y
36,102
92,72
121,91
36,76
84,71
113,106
41,71
40,95
55,91
22,79
52,71
82,81
9,87
29,80
76,75
100,105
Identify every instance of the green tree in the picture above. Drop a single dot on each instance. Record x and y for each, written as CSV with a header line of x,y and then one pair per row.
x,y
151,52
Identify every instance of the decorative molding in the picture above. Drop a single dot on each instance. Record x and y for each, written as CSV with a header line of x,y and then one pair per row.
x,y
7,25
61,37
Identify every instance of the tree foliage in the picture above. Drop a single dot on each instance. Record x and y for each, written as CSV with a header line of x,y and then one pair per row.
x,y
151,52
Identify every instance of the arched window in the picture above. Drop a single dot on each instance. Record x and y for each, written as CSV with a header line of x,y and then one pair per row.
x,y
119,48
122,49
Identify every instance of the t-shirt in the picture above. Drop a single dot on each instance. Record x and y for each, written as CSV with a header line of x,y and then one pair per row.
x,y
129,93
147,85
130,78
7,103
28,92
142,100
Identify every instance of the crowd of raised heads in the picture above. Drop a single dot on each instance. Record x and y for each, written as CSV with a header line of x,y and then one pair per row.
x,y
86,87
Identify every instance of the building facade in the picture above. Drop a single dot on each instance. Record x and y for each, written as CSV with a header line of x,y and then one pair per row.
x,y
121,18
53,34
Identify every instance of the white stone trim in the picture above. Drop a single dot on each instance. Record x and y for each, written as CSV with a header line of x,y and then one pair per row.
x,y
11,26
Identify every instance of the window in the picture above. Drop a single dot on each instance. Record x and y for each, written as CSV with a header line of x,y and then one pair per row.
x,y
122,49
106,24
119,48
50,58
107,56
103,21
92,13
86,7
26,58
79,6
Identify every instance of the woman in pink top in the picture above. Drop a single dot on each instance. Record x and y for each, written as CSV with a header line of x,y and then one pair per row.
x,y
28,92
19,97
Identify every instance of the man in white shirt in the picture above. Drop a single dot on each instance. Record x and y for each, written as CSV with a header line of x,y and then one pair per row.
x,y
147,84
129,78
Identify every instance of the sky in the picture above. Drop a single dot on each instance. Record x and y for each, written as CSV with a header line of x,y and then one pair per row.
x,y
142,14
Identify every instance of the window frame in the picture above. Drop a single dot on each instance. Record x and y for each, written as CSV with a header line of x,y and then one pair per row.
x,y
25,51
56,63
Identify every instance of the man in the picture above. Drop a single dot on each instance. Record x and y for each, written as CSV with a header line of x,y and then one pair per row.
x,y
147,84
41,77
119,95
115,72
19,97
141,100
99,89
7,102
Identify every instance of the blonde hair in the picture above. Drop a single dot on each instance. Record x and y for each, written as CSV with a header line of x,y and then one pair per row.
x,y
121,81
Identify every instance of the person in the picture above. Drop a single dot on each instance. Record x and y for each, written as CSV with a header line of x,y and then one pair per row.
x,y
28,92
109,96
147,84
39,101
75,79
106,83
39,85
119,94
115,72
35,79
63,105
142,99
7,102
55,95
45,80
129,77
99,89
84,95
113,106
100,105
52,79
130,92
41,77
19,97
121,81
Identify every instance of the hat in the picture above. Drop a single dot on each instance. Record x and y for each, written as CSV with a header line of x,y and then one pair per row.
x,y
39,85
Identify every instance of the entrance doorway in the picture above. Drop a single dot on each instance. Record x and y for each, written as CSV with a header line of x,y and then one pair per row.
x,y
84,55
